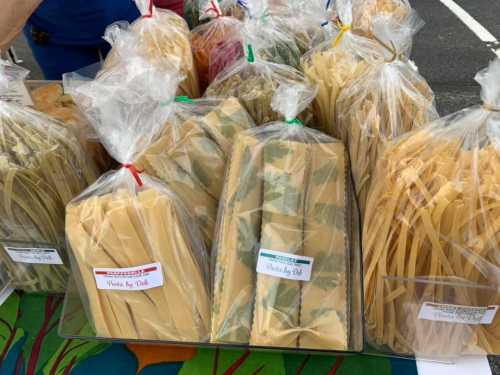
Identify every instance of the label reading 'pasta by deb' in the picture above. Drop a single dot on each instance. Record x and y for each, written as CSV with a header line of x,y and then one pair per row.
x,y
284,265
442,312
33,255
143,277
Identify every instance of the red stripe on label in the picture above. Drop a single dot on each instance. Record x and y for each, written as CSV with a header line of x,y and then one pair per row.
x,y
127,273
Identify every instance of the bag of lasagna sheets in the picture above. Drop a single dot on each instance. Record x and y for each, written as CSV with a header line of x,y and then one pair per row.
x,y
137,255
283,275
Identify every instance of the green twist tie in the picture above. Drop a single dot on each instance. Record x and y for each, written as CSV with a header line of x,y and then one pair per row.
x,y
294,121
250,55
183,99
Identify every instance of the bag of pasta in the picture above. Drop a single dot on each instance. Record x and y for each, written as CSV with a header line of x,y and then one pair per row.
x,y
191,154
137,255
366,11
430,239
208,38
306,21
161,37
390,99
254,81
284,268
270,39
342,58
42,168
52,100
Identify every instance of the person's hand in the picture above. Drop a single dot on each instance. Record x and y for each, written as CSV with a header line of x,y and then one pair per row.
x,y
13,16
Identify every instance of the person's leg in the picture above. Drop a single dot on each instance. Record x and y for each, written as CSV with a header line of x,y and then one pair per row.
x,y
54,60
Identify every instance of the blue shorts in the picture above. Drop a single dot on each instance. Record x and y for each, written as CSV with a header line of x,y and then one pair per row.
x,y
57,59
72,32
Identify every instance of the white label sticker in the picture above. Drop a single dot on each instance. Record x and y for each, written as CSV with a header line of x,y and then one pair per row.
x,y
457,313
285,265
17,93
34,255
143,277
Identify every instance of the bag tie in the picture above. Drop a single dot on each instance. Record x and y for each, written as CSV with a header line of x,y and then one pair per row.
x,y
392,49
491,108
214,8
150,10
294,121
135,173
250,54
344,28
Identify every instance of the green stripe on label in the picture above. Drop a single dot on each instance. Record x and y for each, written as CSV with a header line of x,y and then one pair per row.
x,y
287,259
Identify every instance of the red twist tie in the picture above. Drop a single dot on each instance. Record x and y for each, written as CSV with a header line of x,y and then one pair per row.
x,y
135,172
150,10
214,7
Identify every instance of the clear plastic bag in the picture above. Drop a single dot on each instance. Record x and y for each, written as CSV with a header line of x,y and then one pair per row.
x,y
285,274
270,39
208,39
137,255
160,36
366,11
191,13
432,213
305,20
388,100
51,99
280,34
343,57
42,167
254,82
191,154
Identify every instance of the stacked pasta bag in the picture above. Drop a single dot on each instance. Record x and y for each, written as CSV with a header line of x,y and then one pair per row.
x,y
283,258
138,257
42,168
431,235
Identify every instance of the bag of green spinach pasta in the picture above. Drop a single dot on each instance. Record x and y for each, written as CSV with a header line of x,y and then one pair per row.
x,y
42,167
254,82
286,272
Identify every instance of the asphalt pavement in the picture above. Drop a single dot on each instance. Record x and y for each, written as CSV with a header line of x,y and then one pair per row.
x,y
448,54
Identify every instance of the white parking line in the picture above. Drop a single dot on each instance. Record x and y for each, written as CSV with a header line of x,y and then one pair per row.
x,y
474,26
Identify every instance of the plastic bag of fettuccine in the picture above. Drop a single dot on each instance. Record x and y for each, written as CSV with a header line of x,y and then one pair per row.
x,y
137,255
286,272
388,100
42,167
431,261
343,57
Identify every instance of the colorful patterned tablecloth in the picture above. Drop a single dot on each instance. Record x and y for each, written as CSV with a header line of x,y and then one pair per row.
x,y
29,344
